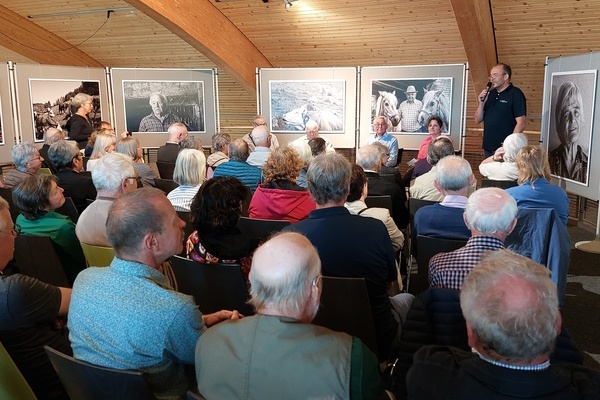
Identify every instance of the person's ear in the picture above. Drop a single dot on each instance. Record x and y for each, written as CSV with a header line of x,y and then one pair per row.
x,y
512,226
437,186
472,338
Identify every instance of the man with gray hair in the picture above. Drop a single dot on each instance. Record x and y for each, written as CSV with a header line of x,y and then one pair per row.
x,y
237,166
454,180
369,158
27,160
169,151
312,132
259,120
127,316
113,176
161,118
220,147
422,187
491,215
262,142
502,165
512,318
353,246
286,298
52,135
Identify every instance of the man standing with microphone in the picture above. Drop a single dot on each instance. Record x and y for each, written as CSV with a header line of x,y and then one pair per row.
x,y
502,109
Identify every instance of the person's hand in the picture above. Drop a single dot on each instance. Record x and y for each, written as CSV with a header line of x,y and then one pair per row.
x,y
499,154
219,316
482,96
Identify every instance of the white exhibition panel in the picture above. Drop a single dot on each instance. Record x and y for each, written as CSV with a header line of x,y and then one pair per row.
x,y
7,122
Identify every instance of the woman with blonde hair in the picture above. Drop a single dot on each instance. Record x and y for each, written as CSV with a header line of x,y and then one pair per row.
x,y
189,173
79,125
104,144
534,190
131,147
280,197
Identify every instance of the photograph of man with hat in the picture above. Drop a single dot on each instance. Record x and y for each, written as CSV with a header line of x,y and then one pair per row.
x,y
409,111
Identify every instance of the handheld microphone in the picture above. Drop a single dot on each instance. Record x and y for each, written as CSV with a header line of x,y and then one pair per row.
x,y
488,87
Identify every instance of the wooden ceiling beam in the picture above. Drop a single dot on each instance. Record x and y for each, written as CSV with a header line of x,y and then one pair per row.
x,y
474,20
205,28
24,37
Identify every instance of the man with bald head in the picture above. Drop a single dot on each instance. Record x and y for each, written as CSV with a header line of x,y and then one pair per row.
x,y
262,141
277,353
169,151
52,135
491,215
161,118
312,132
259,120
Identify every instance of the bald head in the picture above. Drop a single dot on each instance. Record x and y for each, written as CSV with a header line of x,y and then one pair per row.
x,y
177,132
282,275
260,136
53,135
453,175
491,212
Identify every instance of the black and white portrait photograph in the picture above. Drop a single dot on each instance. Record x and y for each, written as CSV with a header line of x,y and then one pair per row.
x,y
51,102
409,103
570,126
152,106
294,103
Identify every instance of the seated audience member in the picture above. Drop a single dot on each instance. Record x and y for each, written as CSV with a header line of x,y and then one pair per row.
x,y
502,165
127,316
305,153
259,120
113,176
434,127
369,158
27,160
286,297
28,318
238,167
220,147
511,310
422,187
191,142
380,125
454,179
36,198
100,127
317,146
131,147
262,141
51,136
168,152
104,144
383,152
189,173
353,246
216,211
491,215
312,132
355,203
279,197
534,190
76,183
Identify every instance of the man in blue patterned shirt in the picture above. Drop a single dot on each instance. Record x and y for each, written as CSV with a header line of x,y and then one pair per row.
x,y
491,215
126,316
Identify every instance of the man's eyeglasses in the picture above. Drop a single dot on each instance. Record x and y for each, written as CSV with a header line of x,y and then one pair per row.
x,y
494,76
36,158
379,124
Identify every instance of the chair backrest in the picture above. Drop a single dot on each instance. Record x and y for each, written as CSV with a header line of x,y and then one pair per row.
x,y
69,210
427,247
399,159
166,185
214,286
261,229
6,194
415,204
44,171
500,184
97,256
165,169
36,257
384,201
84,381
13,385
345,308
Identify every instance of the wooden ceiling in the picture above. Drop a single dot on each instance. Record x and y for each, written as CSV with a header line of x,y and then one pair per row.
x,y
239,35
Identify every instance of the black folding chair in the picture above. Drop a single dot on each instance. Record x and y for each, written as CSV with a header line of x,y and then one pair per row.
x,y
36,257
261,229
69,210
499,184
384,201
166,185
6,194
413,207
427,247
165,169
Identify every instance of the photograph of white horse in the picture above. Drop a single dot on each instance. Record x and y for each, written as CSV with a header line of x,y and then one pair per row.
x,y
294,103
434,93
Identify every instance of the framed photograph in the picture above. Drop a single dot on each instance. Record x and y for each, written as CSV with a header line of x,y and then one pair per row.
x,y
44,94
409,103
294,103
570,122
51,102
408,96
152,106
148,100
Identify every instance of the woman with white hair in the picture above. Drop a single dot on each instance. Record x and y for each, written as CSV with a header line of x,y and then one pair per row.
x,y
105,143
79,125
27,160
189,173
131,147
502,165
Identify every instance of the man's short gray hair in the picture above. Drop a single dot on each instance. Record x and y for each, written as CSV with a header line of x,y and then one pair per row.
x,y
220,140
490,210
62,153
53,135
238,150
453,173
440,147
517,328
110,170
328,178
369,157
512,144
22,153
